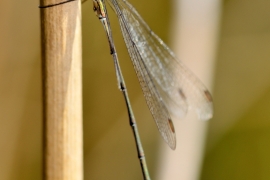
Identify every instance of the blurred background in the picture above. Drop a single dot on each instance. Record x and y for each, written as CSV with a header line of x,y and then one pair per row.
x,y
238,75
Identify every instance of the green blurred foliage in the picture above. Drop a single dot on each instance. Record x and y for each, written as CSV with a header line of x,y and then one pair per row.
x,y
244,151
238,139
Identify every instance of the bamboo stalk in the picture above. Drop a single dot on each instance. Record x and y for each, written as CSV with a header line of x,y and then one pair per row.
x,y
62,91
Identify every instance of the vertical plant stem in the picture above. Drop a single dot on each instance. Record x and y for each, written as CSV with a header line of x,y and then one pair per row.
x,y
62,90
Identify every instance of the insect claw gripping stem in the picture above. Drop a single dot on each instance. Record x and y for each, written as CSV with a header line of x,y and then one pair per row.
x,y
52,5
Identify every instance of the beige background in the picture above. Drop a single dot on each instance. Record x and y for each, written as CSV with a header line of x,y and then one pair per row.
x,y
238,138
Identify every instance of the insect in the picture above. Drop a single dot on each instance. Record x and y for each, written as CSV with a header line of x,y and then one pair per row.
x,y
169,87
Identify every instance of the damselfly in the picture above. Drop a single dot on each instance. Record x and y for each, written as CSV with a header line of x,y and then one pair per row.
x,y
170,89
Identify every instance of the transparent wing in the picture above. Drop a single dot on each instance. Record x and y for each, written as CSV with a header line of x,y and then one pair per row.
x,y
169,87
